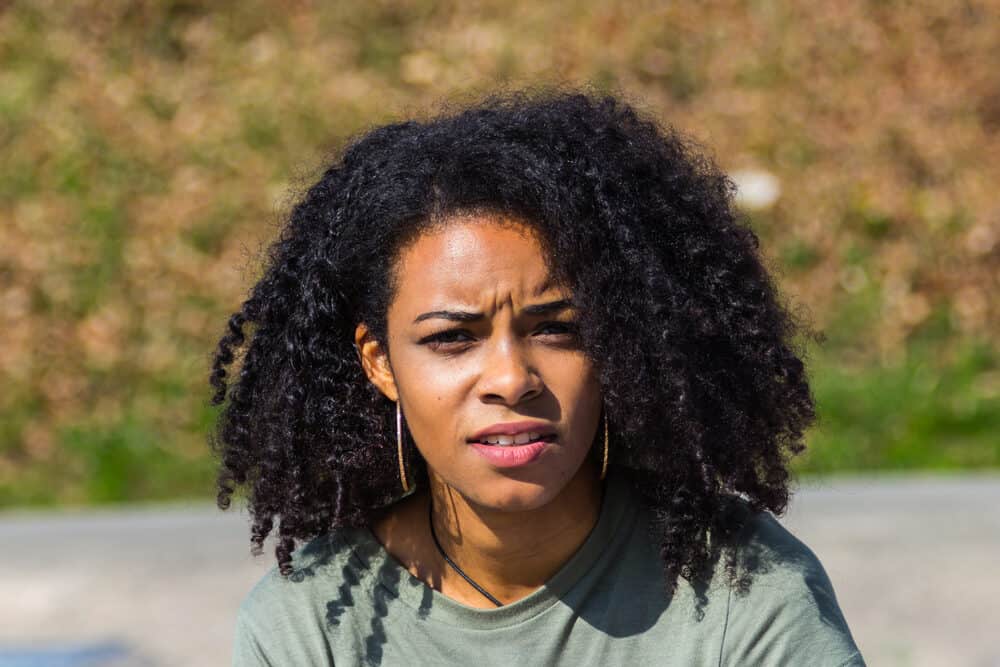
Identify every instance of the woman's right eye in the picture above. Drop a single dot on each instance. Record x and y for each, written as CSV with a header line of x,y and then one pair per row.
x,y
446,339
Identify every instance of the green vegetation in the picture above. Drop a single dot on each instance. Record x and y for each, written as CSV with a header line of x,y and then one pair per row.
x,y
923,412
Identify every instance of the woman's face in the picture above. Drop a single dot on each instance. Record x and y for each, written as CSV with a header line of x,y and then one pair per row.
x,y
478,338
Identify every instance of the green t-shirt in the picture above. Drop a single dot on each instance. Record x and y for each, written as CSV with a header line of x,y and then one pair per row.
x,y
348,602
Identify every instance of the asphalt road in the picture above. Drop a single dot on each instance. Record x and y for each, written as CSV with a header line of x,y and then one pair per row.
x,y
915,563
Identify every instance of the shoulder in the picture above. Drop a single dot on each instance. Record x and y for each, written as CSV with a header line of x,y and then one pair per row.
x,y
319,556
777,559
789,613
281,619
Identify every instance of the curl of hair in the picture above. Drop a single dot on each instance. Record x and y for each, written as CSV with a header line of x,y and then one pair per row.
x,y
706,397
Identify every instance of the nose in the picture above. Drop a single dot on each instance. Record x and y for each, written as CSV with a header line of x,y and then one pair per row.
x,y
508,376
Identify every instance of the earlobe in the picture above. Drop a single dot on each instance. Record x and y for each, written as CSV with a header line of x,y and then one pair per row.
x,y
375,361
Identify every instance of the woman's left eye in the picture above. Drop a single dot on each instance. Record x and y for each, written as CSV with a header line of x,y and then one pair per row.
x,y
559,328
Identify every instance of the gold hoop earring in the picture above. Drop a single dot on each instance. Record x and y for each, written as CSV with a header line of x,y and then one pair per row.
x,y
604,465
399,448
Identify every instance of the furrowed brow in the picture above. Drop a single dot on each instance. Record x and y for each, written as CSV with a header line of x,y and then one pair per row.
x,y
467,316
548,308
453,315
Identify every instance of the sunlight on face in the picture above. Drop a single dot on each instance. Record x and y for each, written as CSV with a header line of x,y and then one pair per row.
x,y
478,335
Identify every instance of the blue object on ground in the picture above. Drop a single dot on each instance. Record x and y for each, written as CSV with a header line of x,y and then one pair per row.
x,y
83,655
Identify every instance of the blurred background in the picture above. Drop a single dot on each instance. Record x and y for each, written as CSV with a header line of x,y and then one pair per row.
x,y
148,149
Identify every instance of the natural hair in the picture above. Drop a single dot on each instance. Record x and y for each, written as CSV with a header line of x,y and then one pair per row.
x,y
705,393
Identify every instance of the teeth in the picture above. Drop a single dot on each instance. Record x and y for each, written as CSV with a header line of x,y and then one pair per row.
x,y
508,440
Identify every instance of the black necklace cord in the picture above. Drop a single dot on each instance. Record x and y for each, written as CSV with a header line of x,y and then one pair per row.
x,y
430,516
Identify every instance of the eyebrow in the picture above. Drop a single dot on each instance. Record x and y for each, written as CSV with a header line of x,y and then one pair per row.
x,y
467,316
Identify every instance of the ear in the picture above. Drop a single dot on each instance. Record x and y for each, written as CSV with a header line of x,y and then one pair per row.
x,y
375,362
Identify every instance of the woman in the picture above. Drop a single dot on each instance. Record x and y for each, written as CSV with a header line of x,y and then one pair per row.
x,y
518,386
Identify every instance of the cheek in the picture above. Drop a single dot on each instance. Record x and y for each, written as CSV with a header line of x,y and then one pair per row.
x,y
437,386
575,381
424,376
576,387
589,405
432,395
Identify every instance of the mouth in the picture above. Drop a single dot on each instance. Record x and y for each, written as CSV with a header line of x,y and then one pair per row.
x,y
518,440
513,451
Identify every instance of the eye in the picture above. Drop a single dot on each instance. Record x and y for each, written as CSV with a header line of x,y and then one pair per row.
x,y
562,329
446,340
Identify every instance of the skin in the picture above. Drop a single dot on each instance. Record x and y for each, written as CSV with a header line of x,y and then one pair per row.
x,y
509,529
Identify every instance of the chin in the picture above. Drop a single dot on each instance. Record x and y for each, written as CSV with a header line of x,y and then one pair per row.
x,y
514,495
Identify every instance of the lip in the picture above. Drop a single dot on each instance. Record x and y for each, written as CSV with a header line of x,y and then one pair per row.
x,y
514,428
512,456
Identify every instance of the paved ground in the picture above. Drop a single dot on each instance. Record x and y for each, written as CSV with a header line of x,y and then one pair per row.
x,y
915,563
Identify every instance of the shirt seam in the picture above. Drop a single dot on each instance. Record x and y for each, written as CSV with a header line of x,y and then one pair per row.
x,y
725,625
252,633
850,658
744,529
362,568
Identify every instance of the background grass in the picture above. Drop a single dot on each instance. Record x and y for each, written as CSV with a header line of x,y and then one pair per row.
x,y
149,148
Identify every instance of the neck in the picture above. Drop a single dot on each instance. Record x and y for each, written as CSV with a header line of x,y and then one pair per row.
x,y
510,554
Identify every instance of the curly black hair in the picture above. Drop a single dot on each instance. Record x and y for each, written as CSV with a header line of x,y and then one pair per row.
x,y
704,385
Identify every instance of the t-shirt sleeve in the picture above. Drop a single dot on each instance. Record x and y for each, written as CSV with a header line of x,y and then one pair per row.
x,y
790,616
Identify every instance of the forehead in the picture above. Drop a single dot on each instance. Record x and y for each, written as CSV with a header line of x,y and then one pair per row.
x,y
473,258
